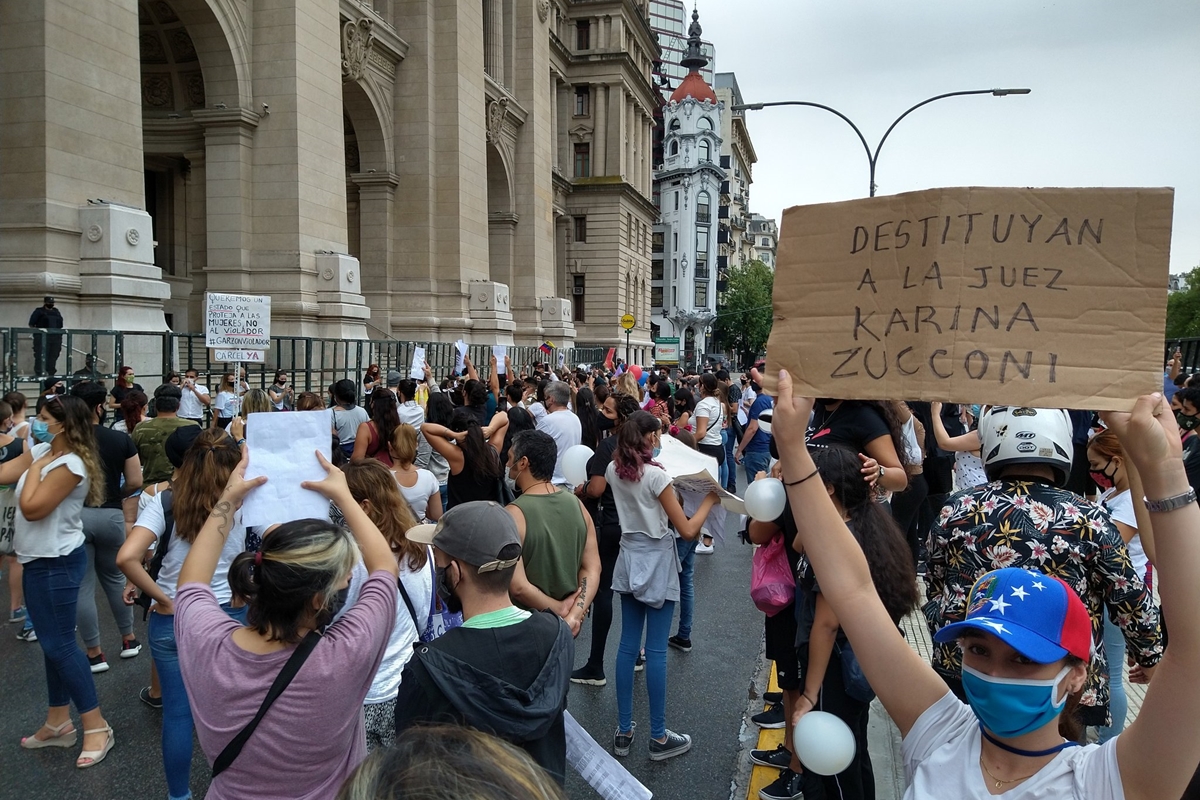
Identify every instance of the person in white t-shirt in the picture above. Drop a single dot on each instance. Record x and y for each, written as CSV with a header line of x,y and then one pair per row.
x,y
419,486
54,480
561,423
1109,469
1026,641
195,397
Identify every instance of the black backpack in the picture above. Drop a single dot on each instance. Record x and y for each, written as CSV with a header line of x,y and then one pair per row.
x,y
160,551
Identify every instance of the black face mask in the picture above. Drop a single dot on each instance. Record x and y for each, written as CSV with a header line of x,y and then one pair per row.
x,y
605,424
325,617
445,592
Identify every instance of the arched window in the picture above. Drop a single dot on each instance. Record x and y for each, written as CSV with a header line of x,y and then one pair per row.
x,y
674,125
675,147
702,213
705,124
705,151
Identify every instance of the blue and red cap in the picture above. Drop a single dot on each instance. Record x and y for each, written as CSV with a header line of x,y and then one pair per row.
x,y
1037,615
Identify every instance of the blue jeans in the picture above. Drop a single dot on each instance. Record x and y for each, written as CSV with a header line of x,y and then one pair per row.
x,y
755,462
1118,703
177,724
730,483
52,599
636,615
687,587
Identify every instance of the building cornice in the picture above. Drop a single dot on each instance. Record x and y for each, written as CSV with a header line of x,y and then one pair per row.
x,y
611,184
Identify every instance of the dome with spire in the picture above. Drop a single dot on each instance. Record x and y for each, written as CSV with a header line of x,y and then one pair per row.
x,y
694,85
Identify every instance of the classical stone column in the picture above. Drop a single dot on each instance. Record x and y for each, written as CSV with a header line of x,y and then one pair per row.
x,y
565,108
229,173
502,231
376,196
600,129
71,133
493,39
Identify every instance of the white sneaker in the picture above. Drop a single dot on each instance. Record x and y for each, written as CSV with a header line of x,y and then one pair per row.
x,y
704,549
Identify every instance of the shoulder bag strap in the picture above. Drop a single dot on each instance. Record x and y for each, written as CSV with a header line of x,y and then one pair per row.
x,y
299,656
412,611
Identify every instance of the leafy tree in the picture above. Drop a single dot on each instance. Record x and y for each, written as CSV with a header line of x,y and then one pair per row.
x,y
745,320
1183,309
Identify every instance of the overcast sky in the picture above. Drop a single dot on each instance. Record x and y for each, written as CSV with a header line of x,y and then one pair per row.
x,y
1115,102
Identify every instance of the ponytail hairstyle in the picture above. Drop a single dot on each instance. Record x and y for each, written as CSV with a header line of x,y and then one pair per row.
x,y
632,454
207,465
479,458
133,408
404,445
76,419
709,387
372,483
585,409
382,408
297,562
887,553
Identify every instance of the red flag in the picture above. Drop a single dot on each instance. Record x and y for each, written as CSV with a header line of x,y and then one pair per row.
x,y
608,359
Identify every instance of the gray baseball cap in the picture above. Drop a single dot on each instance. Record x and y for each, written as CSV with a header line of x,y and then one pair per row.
x,y
474,533
393,379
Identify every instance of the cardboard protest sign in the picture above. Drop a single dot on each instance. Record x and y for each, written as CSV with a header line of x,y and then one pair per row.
x,y
1033,297
237,321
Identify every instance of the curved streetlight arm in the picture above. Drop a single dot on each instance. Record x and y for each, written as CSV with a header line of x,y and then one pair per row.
x,y
848,121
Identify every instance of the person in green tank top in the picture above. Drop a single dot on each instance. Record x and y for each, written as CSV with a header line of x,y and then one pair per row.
x,y
560,561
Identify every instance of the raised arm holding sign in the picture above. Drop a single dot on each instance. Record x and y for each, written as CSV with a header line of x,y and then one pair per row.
x,y
1013,295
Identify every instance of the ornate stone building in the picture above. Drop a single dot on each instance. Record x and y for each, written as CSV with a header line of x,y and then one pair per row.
x,y
381,168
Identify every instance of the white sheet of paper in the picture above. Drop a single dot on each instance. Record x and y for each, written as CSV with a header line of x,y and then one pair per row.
x,y
692,470
500,351
602,772
460,360
417,370
283,446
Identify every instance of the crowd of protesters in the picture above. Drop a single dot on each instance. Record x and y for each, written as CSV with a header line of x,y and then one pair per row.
x,y
386,636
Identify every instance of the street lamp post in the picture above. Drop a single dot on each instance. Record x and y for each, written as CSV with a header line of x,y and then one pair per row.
x,y
873,157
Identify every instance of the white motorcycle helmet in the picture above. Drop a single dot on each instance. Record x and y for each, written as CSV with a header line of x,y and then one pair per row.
x,y
1013,435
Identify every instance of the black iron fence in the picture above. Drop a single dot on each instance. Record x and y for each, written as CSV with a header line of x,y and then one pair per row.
x,y
32,356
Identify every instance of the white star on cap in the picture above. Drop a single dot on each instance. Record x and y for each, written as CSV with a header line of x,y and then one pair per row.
x,y
996,626
999,605
1039,585
1020,592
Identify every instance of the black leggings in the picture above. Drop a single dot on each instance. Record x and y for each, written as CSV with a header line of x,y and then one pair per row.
x,y
608,540
906,510
857,781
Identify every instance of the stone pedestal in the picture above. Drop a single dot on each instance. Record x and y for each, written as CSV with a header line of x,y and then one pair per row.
x,y
342,309
557,324
491,315
120,288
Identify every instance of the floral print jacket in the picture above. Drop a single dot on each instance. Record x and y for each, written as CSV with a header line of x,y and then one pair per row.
x,y
1011,523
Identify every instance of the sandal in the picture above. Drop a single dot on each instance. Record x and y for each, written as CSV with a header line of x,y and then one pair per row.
x,y
61,738
94,757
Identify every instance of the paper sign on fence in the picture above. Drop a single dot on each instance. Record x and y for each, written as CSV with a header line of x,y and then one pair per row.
x,y
417,370
601,771
500,351
283,446
1032,297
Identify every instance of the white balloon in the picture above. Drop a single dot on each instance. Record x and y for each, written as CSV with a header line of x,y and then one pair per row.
x,y
765,499
574,464
824,744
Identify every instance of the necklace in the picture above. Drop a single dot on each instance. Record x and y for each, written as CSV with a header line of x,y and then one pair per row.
x,y
1000,784
1027,753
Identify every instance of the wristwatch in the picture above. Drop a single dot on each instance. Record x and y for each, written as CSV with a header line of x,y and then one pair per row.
x,y
1171,503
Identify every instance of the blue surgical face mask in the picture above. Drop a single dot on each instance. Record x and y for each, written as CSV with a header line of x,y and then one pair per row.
x,y
41,431
654,453
1012,707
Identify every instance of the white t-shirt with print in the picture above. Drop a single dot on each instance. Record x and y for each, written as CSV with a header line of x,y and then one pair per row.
x,y
711,409
941,761
1120,508
565,428
60,532
151,517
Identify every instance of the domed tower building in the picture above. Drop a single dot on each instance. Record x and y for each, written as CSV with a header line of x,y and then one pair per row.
x,y
683,268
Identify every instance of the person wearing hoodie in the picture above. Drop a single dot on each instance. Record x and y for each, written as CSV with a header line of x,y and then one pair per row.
x,y
505,671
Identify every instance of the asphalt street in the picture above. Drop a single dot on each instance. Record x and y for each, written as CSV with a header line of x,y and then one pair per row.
x,y
708,691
